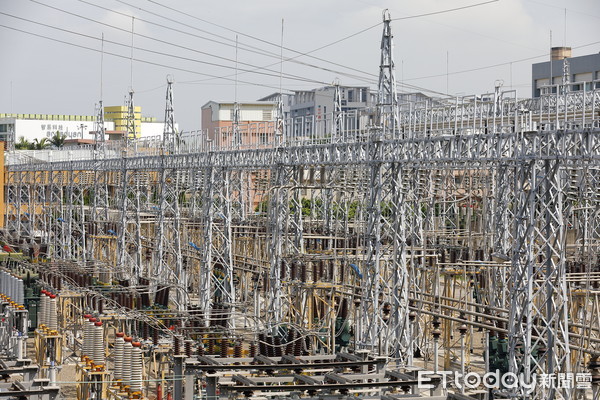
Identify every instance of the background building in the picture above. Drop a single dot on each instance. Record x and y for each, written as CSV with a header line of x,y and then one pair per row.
x,y
39,126
319,101
583,71
220,114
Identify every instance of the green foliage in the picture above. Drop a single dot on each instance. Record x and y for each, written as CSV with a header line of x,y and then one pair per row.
x,y
58,140
262,207
23,144
40,144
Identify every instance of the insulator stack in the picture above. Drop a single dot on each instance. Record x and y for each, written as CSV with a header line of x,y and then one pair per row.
x,y
12,287
262,346
98,344
136,367
127,358
52,313
145,329
270,349
253,350
176,345
298,347
224,348
88,338
85,348
289,348
277,346
293,271
188,348
43,307
237,349
155,336
119,348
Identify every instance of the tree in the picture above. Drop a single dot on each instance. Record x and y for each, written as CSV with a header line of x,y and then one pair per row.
x,y
23,144
40,144
58,140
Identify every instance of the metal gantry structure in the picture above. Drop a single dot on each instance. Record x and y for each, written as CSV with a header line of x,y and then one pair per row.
x,y
400,230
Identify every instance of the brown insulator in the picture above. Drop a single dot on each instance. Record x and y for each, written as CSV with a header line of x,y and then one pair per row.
x,y
270,348
155,336
465,254
308,343
211,346
289,348
188,348
262,346
298,347
253,350
315,272
100,306
282,270
200,350
176,345
277,346
237,349
224,348
342,271
293,271
303,272
145,333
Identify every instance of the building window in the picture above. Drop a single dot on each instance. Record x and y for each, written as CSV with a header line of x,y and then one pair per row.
x,y
3,127
350,96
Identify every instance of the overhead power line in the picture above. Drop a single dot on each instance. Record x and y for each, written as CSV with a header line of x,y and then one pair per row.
x,y
128,57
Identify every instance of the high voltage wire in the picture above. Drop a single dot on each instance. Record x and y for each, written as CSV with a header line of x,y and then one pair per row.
x,y
289,76
273,73
257,69
129,57
220,57
495,65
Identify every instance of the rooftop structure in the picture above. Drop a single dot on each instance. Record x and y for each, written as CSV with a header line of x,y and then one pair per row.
x,y
581,73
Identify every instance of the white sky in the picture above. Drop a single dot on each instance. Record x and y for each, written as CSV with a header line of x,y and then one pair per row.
x,y
44,76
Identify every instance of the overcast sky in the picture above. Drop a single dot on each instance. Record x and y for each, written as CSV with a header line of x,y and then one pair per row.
x,y
195,42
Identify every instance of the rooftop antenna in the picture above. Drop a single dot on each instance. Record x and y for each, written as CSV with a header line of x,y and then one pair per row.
x,y
565,38
279,111
550,81
131,58
99,131
237,138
